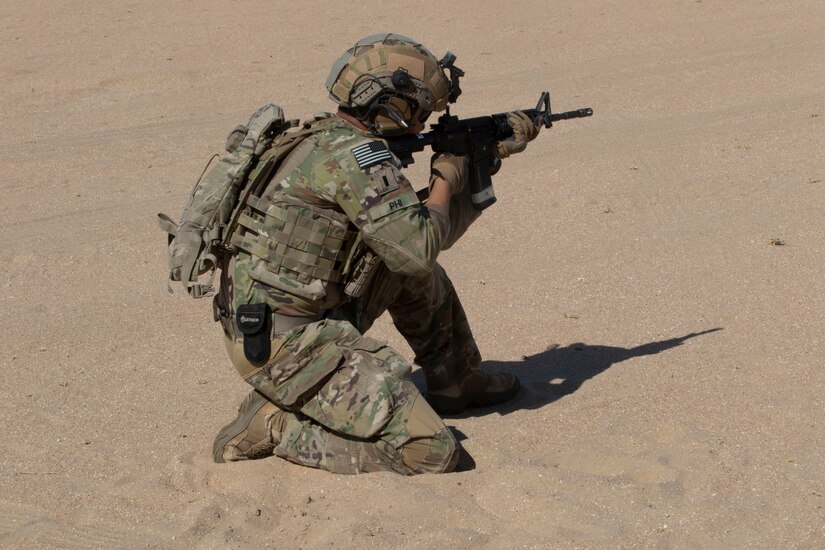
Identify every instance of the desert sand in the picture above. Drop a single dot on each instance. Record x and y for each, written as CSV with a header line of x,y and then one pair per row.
x,y
653,274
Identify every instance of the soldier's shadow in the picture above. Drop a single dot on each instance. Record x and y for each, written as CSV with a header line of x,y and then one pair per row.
x,y
559,371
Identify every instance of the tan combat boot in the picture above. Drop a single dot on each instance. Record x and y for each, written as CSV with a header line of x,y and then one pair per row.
x,y
250,435
475,389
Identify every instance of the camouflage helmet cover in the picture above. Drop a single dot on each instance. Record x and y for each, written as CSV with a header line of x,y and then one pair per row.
x,y
386,79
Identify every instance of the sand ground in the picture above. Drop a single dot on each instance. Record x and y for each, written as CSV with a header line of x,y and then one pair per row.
x,y
653,274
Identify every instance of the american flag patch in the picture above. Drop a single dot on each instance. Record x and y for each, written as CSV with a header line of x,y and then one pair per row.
x,y
371,153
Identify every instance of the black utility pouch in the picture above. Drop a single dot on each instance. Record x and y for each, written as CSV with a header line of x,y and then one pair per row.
x,y
254,321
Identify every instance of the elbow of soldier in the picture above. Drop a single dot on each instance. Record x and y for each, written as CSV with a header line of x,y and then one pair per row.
x,y
412,261
417,265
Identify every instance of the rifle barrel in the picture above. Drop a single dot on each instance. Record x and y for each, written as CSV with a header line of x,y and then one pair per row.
x,y
578,113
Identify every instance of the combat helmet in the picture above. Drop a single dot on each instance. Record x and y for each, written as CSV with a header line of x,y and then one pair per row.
x,y
390,81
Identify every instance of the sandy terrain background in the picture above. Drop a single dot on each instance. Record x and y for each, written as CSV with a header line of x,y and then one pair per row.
x,y
653,274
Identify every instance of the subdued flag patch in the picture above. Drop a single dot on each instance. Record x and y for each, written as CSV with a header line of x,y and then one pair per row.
x,y
371,153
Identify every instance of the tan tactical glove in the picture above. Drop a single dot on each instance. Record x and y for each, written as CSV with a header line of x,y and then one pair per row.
x,y
524,131
452,168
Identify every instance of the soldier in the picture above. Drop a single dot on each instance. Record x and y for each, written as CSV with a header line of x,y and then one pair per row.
x,y
337,237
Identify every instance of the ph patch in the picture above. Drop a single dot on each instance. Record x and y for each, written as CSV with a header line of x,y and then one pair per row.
x,y
371,153
398,203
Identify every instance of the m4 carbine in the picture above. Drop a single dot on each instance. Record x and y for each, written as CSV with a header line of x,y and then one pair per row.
x,y
476,138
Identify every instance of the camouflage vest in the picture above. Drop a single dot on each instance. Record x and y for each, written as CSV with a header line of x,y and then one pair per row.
x,y
300,248
201,242
294,240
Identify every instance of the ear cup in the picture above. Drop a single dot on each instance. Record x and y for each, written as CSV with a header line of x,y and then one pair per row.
x,y
385,123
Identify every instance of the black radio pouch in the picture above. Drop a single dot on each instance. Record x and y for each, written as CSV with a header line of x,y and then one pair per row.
x,y
254,321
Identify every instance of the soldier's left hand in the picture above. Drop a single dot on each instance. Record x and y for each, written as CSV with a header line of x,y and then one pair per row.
x,y
524,131
452,168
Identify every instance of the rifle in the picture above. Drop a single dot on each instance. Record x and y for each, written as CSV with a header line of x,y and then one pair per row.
x,y
475,138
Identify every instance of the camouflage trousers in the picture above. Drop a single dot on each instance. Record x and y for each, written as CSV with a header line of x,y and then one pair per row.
x,y
349,405
426,311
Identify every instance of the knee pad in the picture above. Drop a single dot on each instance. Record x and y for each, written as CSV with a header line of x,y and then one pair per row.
x,y
432,448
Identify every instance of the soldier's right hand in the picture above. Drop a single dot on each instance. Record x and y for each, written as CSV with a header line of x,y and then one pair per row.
x,y
452,168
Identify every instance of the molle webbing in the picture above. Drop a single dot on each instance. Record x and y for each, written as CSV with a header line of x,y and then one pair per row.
x,y
288,234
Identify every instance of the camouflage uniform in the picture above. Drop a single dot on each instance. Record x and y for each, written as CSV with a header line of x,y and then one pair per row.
x,y
335,399
428,314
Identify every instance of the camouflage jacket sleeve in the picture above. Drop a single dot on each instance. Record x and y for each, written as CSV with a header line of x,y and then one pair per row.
x,y
383,205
